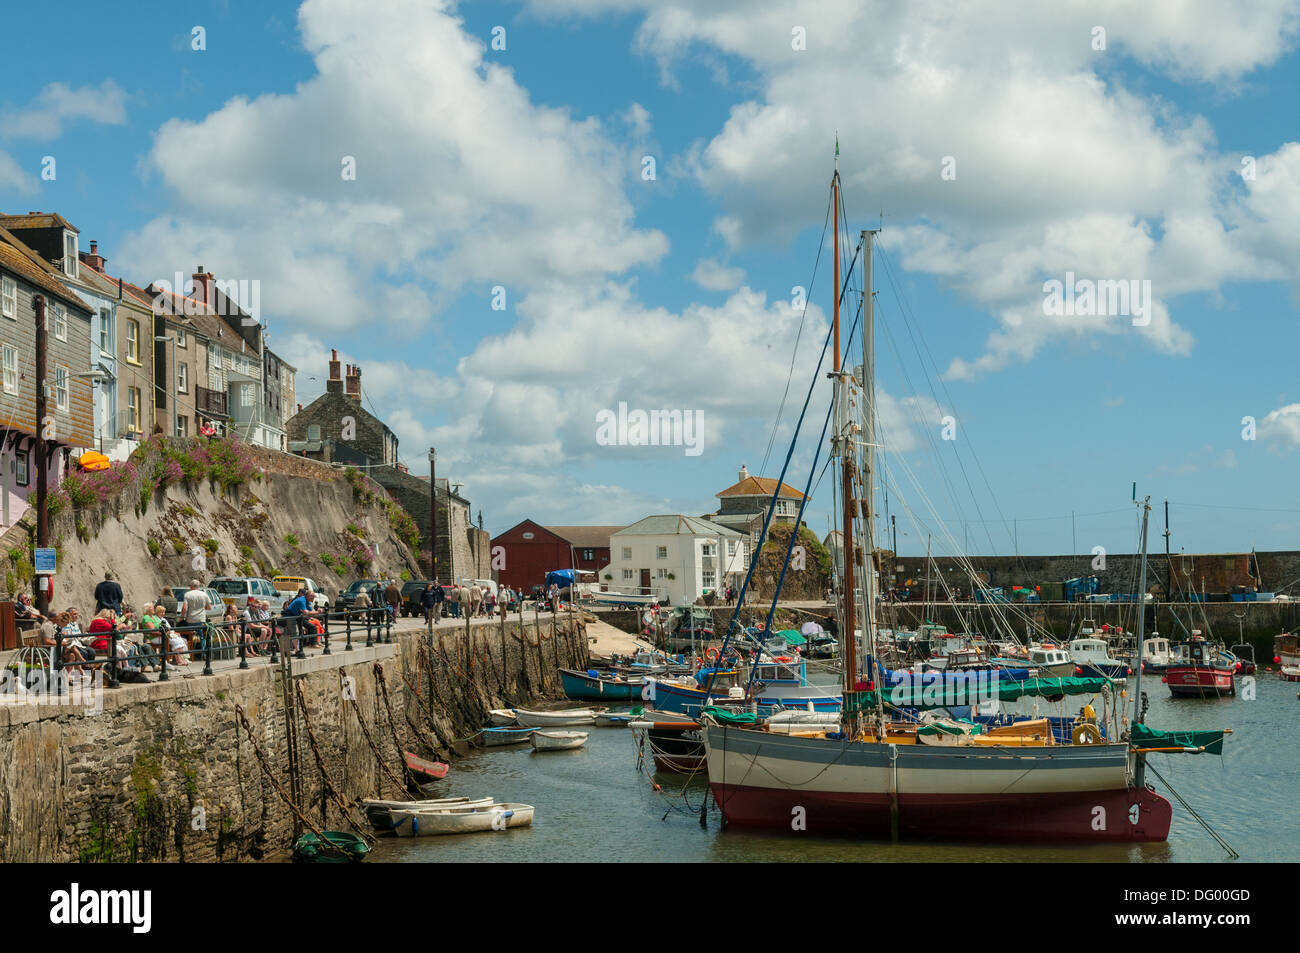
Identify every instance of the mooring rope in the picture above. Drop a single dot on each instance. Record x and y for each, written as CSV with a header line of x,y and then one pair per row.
x,y
331,788
379,756
1192,811
279,788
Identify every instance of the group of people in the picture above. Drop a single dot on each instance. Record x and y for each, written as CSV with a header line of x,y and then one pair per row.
x,y
181,627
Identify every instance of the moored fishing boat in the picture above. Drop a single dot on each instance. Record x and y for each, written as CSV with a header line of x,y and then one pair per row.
x,y
607,719
555,719
545,740
1198,673
501,717
592,686
1286,650
1290,674
384,815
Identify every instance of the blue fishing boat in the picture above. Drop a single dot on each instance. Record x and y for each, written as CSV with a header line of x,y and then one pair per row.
x,y
592,685
497,737
776,685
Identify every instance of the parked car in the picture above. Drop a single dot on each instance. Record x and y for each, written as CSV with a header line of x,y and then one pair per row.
x,y
238,590
216,607
288,586
349,595
411,592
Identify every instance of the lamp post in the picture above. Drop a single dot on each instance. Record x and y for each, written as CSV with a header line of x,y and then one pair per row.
x,y
42,518
172,376
433,514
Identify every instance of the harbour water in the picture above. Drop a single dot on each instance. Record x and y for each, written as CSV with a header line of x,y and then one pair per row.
x,y
593,805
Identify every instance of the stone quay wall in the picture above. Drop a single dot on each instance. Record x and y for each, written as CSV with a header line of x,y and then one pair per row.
x,y
166,771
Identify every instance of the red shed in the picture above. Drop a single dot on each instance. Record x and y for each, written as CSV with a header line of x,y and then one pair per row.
x,y
531,550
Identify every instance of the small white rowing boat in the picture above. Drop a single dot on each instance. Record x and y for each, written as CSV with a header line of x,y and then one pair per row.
x,y
496,737
464,820
558,740
609,720
502,716
555,719
386,815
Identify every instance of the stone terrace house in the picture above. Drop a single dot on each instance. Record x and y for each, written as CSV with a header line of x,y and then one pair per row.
x,y
117,382
24,273
528,551
336,428
744,504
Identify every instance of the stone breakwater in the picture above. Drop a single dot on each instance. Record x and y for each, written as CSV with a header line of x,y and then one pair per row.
x,y
166,771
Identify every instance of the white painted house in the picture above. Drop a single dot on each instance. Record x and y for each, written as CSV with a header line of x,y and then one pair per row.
x,y
676,558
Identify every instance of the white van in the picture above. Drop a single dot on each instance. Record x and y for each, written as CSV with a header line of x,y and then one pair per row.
x,y
487,585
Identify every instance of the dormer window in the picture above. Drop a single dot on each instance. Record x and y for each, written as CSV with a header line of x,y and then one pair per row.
x,y
70,254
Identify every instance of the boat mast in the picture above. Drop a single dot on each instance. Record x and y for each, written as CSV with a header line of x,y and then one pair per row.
x,y
869,471
843,447
1142,615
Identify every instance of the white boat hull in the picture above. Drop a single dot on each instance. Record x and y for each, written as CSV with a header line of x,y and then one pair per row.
x,y
498,817
558,740
555,719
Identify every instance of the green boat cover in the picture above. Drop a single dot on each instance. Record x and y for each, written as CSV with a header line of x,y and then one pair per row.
x,y
1144,737
942,729
724,717
792,637
935,692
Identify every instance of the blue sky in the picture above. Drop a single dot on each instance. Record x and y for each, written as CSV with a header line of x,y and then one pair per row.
x,y
522,168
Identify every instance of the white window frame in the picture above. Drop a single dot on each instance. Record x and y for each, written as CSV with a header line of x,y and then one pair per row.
x,y
180,338
106,333
661,552
182,378
60,321
708,549
731,548
70,258
8,356
661,573
708,579
629,574
61,378
132,342
9,297
134,411
182,427
627,552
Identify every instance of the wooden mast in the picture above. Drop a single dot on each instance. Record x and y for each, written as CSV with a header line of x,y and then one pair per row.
x,y
846,457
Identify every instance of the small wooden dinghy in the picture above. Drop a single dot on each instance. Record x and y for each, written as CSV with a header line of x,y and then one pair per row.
x,y
464,820
498,737
555,719
558,740
340,848
502,716
424,769
608,720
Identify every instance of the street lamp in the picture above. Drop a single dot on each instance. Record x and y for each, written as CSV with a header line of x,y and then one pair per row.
x,y
433,514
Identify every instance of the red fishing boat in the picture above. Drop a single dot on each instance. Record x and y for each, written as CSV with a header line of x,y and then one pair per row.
x,y
425,770
1199,674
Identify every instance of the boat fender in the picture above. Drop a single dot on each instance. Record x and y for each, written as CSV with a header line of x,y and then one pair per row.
x,y
1086,734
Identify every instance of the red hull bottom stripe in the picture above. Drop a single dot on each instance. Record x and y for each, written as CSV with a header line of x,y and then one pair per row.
x,y
1125,815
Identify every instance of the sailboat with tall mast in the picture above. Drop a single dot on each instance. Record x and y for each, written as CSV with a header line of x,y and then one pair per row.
x,y
883,774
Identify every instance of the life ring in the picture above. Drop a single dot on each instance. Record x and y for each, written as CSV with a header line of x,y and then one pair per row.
x,y
784,658
1086,734
761,627
711,654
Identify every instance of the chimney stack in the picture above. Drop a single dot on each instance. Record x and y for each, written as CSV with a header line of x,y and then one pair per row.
x,y
203,285
353,384
335,384
93,259
744,473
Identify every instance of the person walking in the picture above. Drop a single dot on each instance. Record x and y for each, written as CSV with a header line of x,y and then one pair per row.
x,y
393,596
476,599
466,607
429,603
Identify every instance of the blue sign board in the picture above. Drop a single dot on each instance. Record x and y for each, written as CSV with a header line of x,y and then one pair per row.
x,y
45,560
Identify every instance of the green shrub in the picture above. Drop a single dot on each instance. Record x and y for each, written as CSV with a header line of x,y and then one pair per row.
x,y
327,559
178,544
406,576
246,551
341,567
291,539
154,547
352,528
211,545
